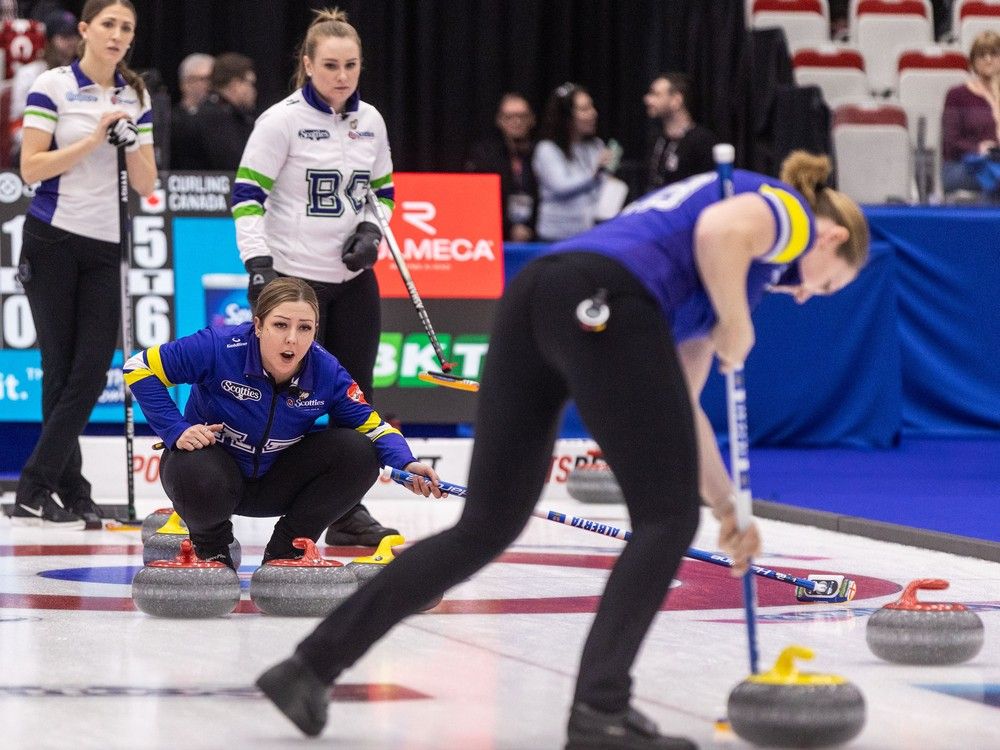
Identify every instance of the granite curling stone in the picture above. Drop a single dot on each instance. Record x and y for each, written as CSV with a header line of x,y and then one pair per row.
x,y
165,543
594,483
307,586
186,587
788,708
925,633
154,522
367,567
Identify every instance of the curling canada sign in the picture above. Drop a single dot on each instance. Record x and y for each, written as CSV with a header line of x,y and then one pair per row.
x,y
449,230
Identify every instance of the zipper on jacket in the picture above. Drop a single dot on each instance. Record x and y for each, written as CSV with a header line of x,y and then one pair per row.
x,y
267,429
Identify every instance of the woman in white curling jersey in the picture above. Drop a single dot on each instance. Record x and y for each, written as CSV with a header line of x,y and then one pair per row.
x,y
76,117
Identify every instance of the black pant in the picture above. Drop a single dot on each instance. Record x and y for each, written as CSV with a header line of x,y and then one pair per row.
x,y
310,485
72,287
350,323
631,393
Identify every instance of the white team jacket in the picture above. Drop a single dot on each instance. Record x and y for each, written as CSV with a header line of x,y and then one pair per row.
x,y
299,190
66,103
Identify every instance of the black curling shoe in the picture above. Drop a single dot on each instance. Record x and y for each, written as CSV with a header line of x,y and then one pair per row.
x,y
298,693
46,511
89,511
628,730
357,528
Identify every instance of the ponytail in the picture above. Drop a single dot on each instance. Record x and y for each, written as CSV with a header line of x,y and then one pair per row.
x,y
808,174
133,79
328,22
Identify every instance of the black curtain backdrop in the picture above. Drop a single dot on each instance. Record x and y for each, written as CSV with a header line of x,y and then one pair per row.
x,y
436,68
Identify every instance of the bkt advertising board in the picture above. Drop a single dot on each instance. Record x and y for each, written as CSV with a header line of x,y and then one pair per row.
x,y
186,274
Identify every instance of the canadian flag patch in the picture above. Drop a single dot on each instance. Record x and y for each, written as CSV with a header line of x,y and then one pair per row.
x,y
355,394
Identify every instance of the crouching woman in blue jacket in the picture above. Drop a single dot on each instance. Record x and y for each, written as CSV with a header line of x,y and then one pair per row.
x,y
244,444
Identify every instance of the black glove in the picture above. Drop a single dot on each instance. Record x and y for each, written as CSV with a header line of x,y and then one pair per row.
x,y
361,248
261,270
123,132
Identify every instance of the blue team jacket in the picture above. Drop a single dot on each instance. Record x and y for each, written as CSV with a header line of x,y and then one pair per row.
x,y
230,387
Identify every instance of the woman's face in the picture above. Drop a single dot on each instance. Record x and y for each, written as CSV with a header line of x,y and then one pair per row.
x,y
987,63
584,115
109,34
822,273
335,69
285,336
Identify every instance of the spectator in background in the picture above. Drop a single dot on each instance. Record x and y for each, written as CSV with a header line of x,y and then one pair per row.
x,y
569,164
509,153
61,40
194,78
224,121
680,147
970,123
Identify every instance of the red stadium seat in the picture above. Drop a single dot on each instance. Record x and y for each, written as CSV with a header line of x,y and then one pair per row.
x,y
852,15
871,147
973,18
805,22
838,71
824,7
884,29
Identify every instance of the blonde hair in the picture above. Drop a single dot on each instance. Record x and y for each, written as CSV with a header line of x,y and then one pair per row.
x,y
90,11
808,173
328,22
281,290
987,41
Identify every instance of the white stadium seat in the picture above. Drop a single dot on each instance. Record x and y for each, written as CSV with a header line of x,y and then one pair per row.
x,y
871,147
852,15
973,19
838,71
884,28
804,22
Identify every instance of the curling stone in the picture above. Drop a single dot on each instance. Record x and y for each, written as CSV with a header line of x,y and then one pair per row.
x,y
186,587
788,708
912,632
154,521
307,586
594,483
367,567
165,544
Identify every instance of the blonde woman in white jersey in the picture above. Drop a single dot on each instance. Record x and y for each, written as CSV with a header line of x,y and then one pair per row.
x,y
299,207
75,118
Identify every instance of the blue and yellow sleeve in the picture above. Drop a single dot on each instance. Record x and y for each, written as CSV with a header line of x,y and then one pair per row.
x,y
151,372
795,229
350,409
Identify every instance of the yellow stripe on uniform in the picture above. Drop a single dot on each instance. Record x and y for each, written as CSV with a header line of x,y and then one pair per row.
x,y
374,428
370,424
799,236
388,430
134,376
156,365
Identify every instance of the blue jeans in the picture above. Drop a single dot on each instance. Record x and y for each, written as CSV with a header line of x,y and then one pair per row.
x,y
954,176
